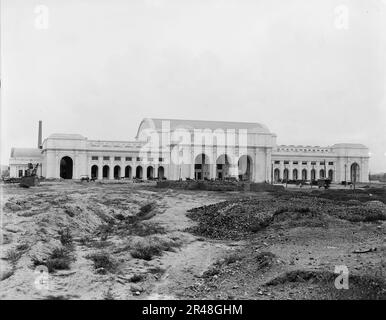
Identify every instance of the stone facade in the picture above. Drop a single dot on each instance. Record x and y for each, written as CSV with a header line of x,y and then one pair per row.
x,y
187,149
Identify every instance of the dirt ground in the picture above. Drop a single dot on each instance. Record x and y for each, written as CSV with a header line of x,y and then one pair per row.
x,y
134,241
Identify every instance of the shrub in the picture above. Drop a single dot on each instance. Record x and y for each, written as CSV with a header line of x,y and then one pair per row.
x,y
60,258
232,258
65,237
146,209
149,247
137,277
103,260
13,256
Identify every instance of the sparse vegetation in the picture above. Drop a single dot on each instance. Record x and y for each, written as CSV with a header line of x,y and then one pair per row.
x,y
108,295
103,262
141,228
13,256
148,247
66,238
112,226
60,258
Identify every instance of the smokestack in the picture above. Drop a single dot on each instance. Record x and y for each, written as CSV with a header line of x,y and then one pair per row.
x,y
40,135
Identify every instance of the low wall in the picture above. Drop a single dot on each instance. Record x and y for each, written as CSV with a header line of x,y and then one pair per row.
x,y
218,185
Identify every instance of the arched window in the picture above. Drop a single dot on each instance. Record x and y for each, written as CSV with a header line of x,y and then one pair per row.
x,y
161,172
276,175
295,174
304,174
313,174
285,174
331,174
106,171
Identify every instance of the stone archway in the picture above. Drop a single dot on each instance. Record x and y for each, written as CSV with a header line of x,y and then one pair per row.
x,y
150,172
355,173
201,167
161,172
66,167
276,175
331,174
286,175
245,168
94,171
313,174
304,174
105,171
138,172
295,174
117,172
128,172
222,166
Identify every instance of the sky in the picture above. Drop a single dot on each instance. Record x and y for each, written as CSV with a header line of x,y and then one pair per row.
x,y
312,71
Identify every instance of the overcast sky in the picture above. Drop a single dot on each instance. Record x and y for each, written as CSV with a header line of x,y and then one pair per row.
x,y
310,72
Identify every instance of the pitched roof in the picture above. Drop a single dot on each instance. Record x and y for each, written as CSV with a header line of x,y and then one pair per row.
x,y
252,127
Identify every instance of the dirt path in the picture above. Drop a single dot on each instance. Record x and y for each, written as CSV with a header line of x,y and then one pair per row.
x,y
194,257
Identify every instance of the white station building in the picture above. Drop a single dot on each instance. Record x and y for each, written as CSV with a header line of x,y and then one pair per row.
x,y
192,149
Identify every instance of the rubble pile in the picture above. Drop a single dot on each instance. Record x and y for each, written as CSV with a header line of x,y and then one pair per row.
x,y
236,219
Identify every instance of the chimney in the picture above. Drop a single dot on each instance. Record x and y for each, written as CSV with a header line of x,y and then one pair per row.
x,y
40,135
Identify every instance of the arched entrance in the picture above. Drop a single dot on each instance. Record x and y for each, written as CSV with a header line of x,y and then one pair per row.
x,y
201,167
285,174
161,172
222,166
354,173
105,172
117,172
295,174
276,175
331,174
66,166
94,171
128,172
304,174
321,174
149,172
313,174
138,172
245,168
